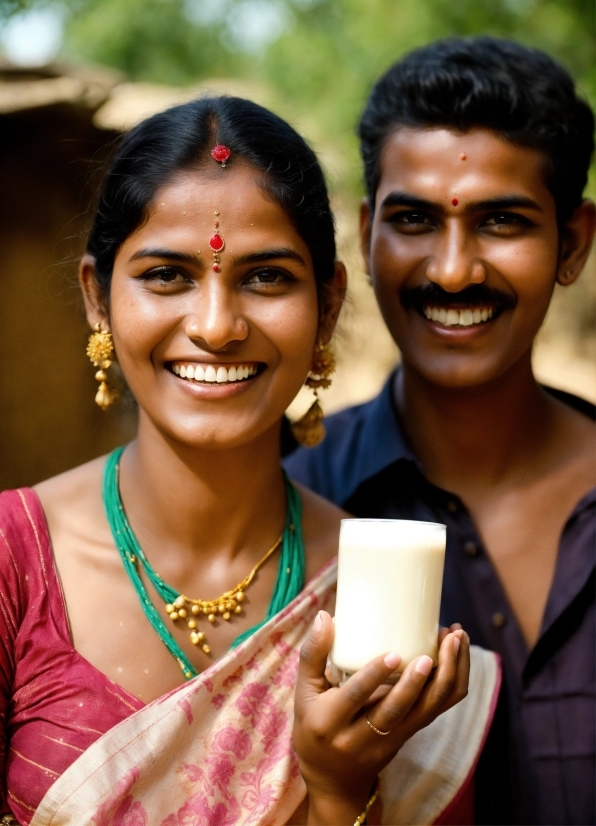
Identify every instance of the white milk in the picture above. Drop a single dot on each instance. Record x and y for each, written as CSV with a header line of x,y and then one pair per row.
x,y
388,590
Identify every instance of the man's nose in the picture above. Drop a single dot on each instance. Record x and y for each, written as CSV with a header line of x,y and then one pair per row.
x,y
217,318
455,264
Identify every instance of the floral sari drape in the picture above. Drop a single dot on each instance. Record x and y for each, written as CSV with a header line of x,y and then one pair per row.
x,y
217,750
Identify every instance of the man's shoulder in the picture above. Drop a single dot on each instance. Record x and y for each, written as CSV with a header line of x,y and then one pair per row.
x,y
354,443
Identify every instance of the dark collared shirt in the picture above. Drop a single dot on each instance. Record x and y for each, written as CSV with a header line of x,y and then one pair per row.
x,y
538,764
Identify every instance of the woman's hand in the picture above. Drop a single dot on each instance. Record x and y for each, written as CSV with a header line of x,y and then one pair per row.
x,y
339,754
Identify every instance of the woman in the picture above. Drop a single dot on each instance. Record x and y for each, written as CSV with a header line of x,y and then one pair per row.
x,y
210,274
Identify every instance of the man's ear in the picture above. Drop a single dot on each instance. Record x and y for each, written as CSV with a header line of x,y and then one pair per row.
x,y
334,293
365,232
95,306
576,240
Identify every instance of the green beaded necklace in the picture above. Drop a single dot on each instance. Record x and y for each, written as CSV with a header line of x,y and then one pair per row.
x,y
290,572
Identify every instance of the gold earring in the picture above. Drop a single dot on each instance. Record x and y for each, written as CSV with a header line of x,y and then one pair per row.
x,y
100,350
309,430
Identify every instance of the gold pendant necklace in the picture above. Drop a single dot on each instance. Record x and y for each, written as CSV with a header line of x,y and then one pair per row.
x,y
185,608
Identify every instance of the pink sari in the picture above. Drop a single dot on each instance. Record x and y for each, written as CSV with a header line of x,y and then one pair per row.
x,y
217,750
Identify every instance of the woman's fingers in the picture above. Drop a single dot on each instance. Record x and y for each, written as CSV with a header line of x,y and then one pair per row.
x,y
313,660
356,691
396,705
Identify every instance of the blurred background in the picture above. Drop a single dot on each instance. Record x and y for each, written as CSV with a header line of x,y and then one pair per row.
x,y
74,75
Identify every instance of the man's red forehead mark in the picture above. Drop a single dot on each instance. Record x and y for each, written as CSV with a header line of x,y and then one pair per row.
x,y
455,202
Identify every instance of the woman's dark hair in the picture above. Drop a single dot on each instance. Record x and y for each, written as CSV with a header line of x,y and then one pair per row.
x,y
182,138
520,93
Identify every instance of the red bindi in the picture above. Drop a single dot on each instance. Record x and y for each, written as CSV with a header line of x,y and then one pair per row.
x,y
455,202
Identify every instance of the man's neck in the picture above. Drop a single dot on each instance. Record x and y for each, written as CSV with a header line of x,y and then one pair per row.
x,y
481,435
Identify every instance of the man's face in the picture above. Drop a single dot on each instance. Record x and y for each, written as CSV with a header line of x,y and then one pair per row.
x,y
462,251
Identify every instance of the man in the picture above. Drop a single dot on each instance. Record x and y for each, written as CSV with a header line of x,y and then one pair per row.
x,y
476,155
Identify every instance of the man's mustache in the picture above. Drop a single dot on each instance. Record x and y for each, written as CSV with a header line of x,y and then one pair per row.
x,y
476,295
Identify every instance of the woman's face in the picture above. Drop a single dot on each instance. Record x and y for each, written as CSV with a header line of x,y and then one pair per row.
x,y
214,352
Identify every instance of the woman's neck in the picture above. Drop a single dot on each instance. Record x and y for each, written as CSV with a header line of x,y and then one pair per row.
x,y
199,502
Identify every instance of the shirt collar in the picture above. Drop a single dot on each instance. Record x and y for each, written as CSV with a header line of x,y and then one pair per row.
x,y
382,440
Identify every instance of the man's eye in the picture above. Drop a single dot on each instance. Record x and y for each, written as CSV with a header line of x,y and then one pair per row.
x,y
506,219
412,219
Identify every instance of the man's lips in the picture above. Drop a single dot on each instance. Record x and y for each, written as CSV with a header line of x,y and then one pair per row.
x,y
216,373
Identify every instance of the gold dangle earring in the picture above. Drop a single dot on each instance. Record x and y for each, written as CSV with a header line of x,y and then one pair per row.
x,y
309,430
100,350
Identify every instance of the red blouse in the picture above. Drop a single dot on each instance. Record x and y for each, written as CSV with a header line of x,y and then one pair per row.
x,y
53,703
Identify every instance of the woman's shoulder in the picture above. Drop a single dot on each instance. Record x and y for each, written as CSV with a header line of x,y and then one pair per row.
x,y
72,495
320,527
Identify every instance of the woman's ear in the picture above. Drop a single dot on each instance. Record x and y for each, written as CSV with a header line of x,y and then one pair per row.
x,y
576,241
365,231
333,297
95,306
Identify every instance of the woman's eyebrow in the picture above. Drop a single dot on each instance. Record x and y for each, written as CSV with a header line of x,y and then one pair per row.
x,y
269,255
172,255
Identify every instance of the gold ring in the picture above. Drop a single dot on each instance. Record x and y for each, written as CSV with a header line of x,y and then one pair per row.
x,y
375,729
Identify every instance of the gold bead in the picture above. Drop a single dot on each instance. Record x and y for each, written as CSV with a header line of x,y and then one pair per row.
x,y
174,615
221,607
206,610
194,638
211,617
169,608
192,623
179,601
101,375
240,596
196,609
232,604
206,649
238,609
200,636
226,616
182,613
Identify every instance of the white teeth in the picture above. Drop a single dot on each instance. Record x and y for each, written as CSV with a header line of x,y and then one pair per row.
x,y
458,318
219,375
452,317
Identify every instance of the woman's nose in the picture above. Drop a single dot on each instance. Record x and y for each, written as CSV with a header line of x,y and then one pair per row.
x,y
216,319
454,264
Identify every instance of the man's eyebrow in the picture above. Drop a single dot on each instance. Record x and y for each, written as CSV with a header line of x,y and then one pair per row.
x,y
172,255
405,199
504,202
501,202
269,255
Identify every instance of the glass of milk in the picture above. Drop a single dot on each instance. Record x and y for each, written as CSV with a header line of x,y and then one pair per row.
x,y
390,573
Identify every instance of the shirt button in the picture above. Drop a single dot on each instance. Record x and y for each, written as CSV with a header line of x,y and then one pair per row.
x,y
452,506
471,548
499,620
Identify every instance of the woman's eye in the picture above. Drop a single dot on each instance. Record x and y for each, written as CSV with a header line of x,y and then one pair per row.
x,y
267,276
165,275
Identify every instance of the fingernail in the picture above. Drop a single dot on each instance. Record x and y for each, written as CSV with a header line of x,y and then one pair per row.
x,y
317,624
456,644
424,665
392,660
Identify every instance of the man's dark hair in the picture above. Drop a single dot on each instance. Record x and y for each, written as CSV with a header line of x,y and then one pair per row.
x,y
519,93
180,140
